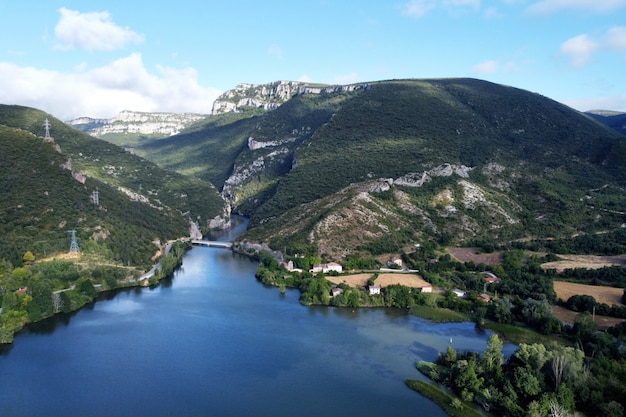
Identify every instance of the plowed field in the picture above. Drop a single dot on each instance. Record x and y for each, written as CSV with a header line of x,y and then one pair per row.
x,y
383,280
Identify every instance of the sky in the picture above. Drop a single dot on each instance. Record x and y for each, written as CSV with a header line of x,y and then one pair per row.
x,y
77,58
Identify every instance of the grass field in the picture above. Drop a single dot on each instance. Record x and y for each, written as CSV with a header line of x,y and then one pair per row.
x,y
439,315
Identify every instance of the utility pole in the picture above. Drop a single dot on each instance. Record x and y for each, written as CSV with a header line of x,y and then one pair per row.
x,y
46,125
95,198
74,244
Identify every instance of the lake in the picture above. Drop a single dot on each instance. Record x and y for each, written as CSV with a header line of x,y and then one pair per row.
x,y
213,341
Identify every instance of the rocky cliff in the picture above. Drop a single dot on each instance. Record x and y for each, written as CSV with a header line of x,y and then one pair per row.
x,y
270,96
166,124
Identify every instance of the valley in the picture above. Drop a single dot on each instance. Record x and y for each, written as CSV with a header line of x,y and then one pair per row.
x,y
503,200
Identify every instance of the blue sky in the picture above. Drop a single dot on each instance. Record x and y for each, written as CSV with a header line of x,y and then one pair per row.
x,y
96,58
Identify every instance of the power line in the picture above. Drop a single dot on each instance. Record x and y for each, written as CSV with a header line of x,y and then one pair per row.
x,y
46,125
74,244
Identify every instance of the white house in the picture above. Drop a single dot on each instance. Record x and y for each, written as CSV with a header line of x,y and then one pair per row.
x,y
333,266
325,268
374,289
427,288
458,292
335,291
288,265
396,260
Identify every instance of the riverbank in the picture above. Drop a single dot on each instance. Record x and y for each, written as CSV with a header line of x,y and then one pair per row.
x,y
38,302
452,405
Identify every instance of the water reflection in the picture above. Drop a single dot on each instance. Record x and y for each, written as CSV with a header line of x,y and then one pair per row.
x,y
215,341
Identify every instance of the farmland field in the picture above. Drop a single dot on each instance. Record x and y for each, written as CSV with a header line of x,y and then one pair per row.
x,y
383,280
607,295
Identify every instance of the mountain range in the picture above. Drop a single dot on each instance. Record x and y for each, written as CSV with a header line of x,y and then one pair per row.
x,y
375,168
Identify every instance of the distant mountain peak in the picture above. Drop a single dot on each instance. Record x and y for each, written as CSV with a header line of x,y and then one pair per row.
x,y
270,96
145,123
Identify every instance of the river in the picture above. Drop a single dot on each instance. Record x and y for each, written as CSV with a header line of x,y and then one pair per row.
x,y
213,341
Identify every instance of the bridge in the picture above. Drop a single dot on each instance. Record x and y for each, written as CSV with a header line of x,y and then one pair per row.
x,y
212,243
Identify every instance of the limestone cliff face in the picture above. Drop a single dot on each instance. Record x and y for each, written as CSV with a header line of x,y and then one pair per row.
x,y
270,96
166,124
271,151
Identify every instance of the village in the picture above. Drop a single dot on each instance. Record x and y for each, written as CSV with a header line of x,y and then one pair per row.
x,y
395,273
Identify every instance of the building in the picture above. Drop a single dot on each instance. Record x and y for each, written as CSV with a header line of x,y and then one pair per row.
x,y
484,297
335,291
459,293
396,260
288,265
427,288
374,289
491,277
333,266
326,268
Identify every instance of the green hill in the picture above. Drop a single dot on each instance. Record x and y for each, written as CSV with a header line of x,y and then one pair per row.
x,y
375,169
614,120
47,188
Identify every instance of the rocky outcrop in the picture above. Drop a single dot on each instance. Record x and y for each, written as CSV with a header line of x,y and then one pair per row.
x,y
221,222
265,96
445,170
166,124
270,96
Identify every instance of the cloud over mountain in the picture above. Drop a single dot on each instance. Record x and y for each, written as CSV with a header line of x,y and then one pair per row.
x,y
126,80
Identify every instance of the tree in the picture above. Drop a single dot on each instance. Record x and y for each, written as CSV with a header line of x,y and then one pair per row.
x,y
28,258
567,365
493,357
41,305
450,356
558,367
527,382
611,409
534,355
466,378
85,287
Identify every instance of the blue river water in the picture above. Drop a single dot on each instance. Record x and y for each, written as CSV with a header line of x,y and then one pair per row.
x,y
213,341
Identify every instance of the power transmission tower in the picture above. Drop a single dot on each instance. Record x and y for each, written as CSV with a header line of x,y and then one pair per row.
x,y
46,125
74,244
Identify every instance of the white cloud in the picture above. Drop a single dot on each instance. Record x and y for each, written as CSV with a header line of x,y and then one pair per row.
x,y
492,13
94,31
544,7
579,49
304,78
124,84
616,37
455,4
347,78
418,8
486,67
276,51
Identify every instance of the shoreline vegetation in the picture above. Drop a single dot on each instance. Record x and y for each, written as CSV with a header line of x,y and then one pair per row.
x,y
448,403
560,368
44,289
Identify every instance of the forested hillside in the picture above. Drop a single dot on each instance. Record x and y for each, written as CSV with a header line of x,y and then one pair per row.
x,y
122,210
448,161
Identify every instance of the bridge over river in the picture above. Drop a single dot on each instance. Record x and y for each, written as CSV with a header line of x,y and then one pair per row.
x,y
212,243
